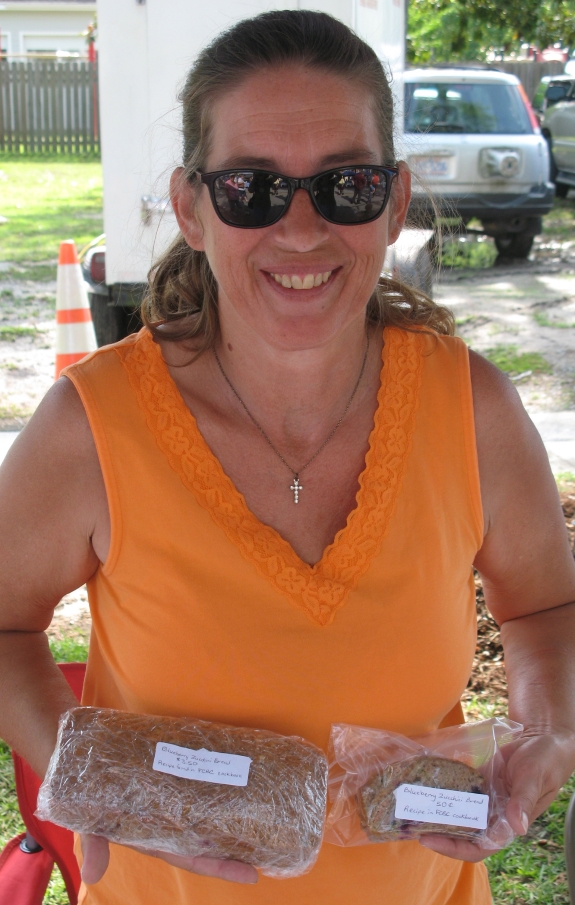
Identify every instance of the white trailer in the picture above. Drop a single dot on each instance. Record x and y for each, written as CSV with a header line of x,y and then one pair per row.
x,y
146,48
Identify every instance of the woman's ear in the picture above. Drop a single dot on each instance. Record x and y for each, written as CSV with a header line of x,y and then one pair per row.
x,y
401,196
183,198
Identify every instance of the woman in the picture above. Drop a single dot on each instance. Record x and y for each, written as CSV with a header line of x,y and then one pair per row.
x,y
276,503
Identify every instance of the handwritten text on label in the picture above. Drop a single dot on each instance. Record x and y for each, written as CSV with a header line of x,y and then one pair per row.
x,y
444,806
202,765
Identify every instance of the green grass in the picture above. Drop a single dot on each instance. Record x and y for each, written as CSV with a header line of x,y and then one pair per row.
x,y
46,201
39,273
69,650
559,223
544,321
565,481
532,870
11,334
13,410
509,359
10,820
468,253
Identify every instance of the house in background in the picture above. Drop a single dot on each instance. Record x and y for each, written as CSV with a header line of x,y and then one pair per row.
x,y
45,26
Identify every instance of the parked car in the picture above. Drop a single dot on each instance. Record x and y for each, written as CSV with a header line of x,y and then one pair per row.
x,y
550,90
471,137
558,128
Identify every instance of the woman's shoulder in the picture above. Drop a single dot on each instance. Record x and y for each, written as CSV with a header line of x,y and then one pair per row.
x,y
106,356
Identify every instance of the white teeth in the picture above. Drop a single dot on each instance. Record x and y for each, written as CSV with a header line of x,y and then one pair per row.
x,y
295,282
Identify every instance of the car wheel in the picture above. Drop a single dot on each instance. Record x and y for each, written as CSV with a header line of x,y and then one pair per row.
x,y
110,321
561,189
514,245
553,170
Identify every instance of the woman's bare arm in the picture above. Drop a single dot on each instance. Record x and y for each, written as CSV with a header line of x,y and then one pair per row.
x,y
528,577
54,532
52,502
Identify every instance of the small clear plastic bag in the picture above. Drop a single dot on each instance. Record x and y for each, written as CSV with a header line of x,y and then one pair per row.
x,y
386,787
188,787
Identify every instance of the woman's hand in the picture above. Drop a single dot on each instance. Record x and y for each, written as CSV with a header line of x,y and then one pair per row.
x,y
96,857
537,767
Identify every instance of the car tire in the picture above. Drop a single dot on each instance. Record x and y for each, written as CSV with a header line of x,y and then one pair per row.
x,y
561,189
553,170
514,245
110,321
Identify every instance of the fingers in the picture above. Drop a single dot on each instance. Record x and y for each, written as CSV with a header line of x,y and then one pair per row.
x,y
530,796
232,871
96,857
517,813
534,777
461,849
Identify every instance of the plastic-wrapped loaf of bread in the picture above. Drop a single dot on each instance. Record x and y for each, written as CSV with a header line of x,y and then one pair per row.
x,y
188,787
377,799
386,787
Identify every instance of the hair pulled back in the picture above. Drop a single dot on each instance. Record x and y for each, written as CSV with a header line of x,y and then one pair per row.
x,y
182,287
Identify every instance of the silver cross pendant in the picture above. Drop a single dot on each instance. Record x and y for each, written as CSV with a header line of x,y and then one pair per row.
x,y
296,487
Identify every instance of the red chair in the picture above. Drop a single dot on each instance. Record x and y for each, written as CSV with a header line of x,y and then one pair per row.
x,y
27,861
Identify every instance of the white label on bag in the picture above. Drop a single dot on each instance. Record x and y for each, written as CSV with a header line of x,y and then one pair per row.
x,y
202,765
443,806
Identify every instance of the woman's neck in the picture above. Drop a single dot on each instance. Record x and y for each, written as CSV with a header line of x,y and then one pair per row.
x,y
295,393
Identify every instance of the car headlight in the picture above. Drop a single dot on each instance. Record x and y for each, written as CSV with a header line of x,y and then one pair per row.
x,y
499,162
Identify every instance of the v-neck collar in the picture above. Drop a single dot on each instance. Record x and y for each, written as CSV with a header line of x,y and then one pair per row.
x,y
319,590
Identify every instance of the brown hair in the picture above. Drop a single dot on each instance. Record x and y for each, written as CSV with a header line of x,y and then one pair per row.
x,y
181,283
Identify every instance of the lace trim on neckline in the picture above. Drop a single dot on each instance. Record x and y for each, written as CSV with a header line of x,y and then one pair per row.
x,y
318,590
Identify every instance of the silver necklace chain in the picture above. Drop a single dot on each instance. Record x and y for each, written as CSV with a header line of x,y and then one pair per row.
x,y
296,487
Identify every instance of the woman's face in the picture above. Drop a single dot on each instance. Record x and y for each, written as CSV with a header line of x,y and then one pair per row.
x,y
296,122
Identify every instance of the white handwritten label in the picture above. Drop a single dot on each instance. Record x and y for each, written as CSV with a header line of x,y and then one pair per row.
x,y
468,809
202,765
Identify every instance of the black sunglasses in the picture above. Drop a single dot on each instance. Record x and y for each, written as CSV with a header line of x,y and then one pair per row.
x,y
251,199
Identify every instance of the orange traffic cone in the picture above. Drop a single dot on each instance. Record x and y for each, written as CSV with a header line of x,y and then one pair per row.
x,y
75,335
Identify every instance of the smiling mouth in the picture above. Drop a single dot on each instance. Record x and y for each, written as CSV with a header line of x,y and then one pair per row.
x,y
309,281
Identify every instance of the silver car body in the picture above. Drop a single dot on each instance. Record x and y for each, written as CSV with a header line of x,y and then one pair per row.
x,y
558,126
502,179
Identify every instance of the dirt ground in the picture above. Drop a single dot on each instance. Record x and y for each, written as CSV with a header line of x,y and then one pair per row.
x,y
528,304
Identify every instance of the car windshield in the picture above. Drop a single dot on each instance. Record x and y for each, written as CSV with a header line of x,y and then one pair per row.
x,y
476,108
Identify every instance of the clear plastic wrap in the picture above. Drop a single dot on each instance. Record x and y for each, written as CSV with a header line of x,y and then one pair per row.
x,y
106,776
450,782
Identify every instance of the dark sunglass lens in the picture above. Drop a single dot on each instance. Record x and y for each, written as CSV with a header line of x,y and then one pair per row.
x,y
351,195
250,198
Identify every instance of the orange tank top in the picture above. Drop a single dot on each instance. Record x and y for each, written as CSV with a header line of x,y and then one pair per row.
x,y
202,610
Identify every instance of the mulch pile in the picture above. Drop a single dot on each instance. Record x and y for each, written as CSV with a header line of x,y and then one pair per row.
x,y
488,682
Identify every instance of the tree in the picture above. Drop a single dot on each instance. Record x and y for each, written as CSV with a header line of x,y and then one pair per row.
x,y
444,30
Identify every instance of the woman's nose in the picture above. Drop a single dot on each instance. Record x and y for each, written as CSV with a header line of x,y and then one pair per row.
x,y
302,227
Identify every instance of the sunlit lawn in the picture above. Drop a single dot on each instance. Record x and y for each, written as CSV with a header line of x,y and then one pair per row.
x,y
44,202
